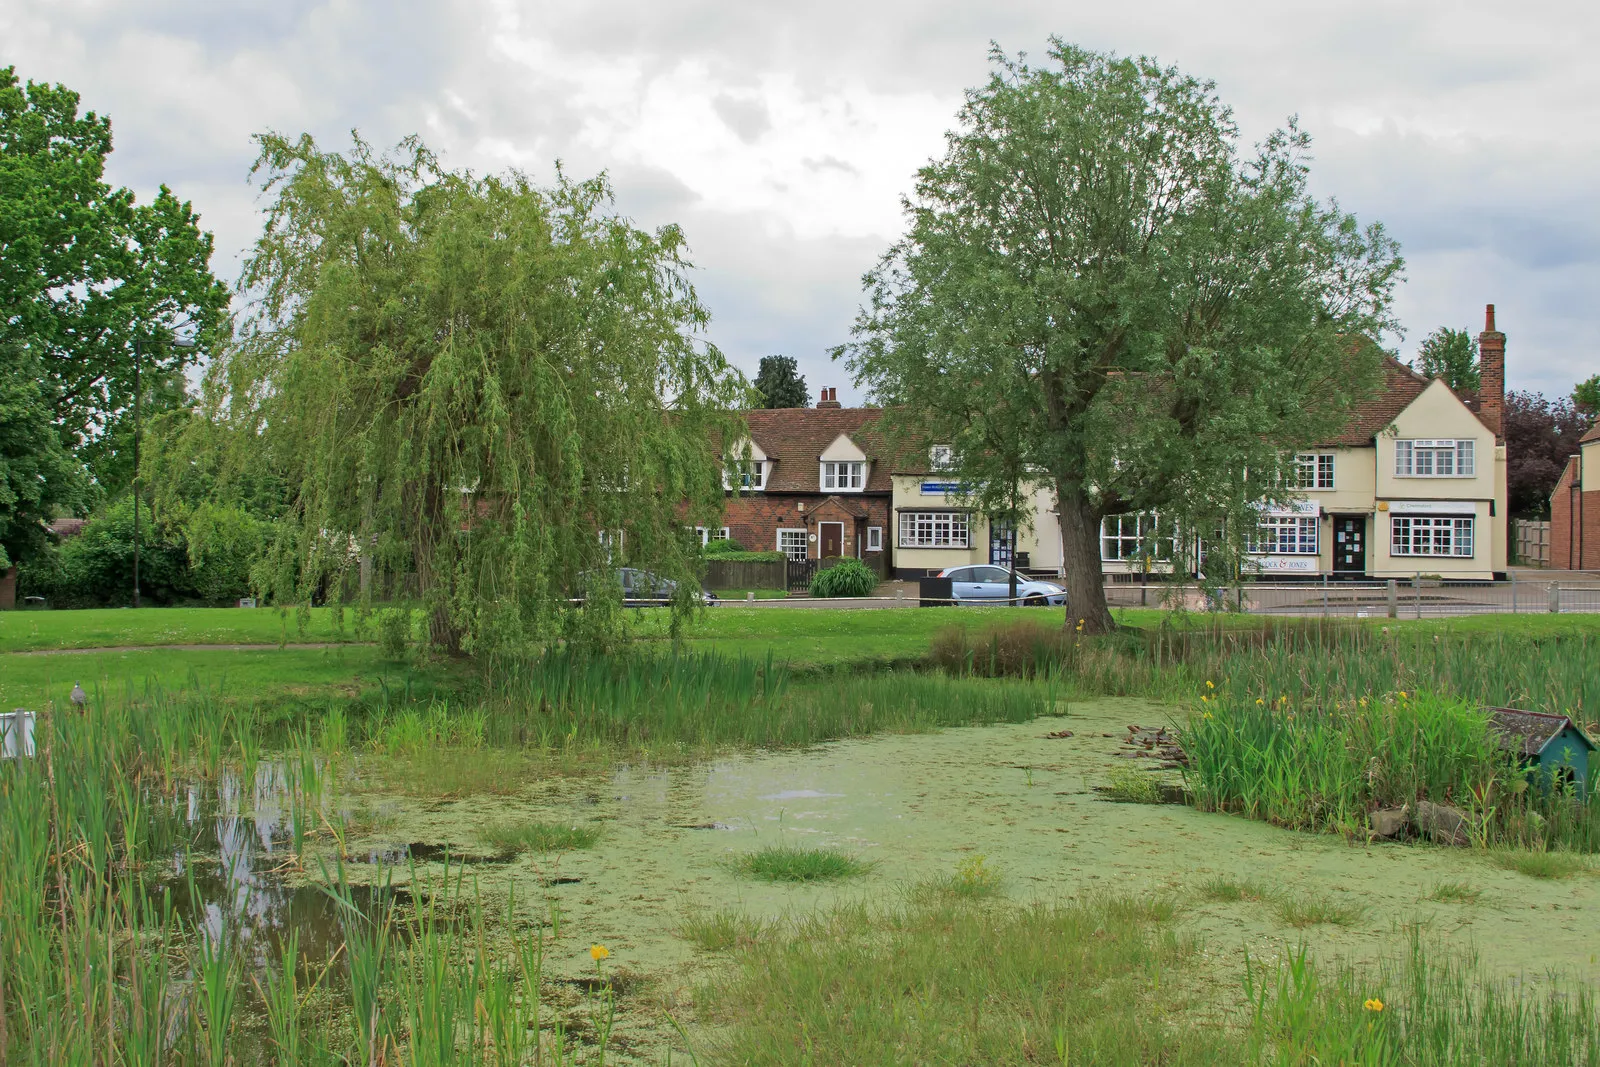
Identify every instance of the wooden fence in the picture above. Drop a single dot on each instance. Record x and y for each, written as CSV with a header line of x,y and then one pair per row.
x,y
742,574
1530,543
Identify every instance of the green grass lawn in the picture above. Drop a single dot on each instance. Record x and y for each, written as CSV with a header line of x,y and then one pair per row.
x,y
116,627
238,674
805,638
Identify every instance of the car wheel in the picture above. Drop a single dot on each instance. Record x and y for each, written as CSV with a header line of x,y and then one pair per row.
x,y
1036,601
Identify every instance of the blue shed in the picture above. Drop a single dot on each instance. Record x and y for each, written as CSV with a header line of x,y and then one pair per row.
x,y
1552,742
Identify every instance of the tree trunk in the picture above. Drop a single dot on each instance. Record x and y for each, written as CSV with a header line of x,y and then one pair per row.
x,y
1080,556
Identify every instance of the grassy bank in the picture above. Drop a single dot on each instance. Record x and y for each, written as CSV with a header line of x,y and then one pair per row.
x,y
1107,980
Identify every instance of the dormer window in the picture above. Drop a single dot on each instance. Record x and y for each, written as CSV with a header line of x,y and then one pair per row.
x,y
745,467
847,476
751,475
941,457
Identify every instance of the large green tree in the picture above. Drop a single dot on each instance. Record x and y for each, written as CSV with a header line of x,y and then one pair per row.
x,y
781,384
1093,272
494,386
1451,355
85,271
1586,396
38,475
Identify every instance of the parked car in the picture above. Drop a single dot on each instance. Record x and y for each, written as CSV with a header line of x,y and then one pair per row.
x,y
980,583
642,589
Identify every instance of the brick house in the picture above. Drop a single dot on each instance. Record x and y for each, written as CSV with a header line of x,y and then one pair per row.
x,y
1575,508
814,484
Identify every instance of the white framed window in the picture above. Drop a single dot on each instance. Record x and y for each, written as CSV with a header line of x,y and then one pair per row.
x,y
846,476
935,529
750,475
1424,457
941,457
792,543
874,538
1134,536
1428,535
708,534
1314,470
1285,535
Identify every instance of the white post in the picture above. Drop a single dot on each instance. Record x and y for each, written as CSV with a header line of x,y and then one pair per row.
x,y
1394,599
1513,592
16,734
750,597
1555,598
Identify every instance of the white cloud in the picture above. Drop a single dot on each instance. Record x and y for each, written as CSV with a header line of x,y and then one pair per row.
x,y
782,136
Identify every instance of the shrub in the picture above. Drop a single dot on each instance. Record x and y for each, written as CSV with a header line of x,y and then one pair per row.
x,y
95,568
394,632
848,577
723,547
224,542
746,557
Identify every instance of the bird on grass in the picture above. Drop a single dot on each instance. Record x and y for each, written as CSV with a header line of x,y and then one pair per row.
x,y
79,697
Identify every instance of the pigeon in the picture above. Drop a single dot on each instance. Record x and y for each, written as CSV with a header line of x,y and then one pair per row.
x,y
79,697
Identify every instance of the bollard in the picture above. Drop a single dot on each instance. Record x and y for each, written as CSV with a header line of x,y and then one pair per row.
x,y
1394,599
899,592
1416,583
750,597
1513,592
1555,598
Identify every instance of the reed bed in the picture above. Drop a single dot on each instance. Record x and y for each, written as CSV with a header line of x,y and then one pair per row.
x,y
1325,768
1311,661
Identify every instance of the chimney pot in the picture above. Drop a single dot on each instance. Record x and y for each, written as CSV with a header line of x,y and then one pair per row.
x,y
830,397
1488,318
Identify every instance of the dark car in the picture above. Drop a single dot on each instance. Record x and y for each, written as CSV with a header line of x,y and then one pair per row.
x,y
642,589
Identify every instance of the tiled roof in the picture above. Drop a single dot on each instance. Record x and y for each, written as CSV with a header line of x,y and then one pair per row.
x,y
65,528
1592,435
795,438
1528,732
1397,388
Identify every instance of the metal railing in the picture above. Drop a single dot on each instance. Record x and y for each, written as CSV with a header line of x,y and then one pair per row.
x,y
1406,598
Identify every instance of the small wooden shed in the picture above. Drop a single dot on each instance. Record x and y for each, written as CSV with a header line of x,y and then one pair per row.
x,y
1552,742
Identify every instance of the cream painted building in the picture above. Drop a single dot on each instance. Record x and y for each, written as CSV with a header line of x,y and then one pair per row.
x,y
1415,484
934,527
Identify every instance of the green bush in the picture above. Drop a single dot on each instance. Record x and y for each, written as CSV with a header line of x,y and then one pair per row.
x,y
224,542
746,557
95,568
724,547
394,632
848,577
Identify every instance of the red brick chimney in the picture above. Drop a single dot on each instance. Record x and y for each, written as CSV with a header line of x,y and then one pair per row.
x,y
1492,374
830,398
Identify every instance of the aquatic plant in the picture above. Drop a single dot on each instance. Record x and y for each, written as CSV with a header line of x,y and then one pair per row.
x,y
794,863
532,835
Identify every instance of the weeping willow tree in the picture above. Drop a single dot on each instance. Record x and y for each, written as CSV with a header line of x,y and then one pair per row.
x,y
495,387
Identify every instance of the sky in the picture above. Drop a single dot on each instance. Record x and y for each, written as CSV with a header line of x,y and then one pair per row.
x,y
782,137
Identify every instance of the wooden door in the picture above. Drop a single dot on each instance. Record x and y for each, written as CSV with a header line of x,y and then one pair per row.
x,y
830,539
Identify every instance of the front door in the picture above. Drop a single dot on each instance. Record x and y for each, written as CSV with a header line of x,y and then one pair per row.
x,y
830,538
1350,544
1000,542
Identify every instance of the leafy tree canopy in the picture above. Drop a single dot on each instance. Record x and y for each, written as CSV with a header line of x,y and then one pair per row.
x,y
780,383
1093,274
1451,355
1586,396
85,271
38,476
494,386
1541,435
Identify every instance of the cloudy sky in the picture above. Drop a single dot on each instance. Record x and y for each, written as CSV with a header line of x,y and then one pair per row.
x,y
782,136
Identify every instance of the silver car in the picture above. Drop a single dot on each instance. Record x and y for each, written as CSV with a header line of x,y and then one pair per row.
x,y
987,584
